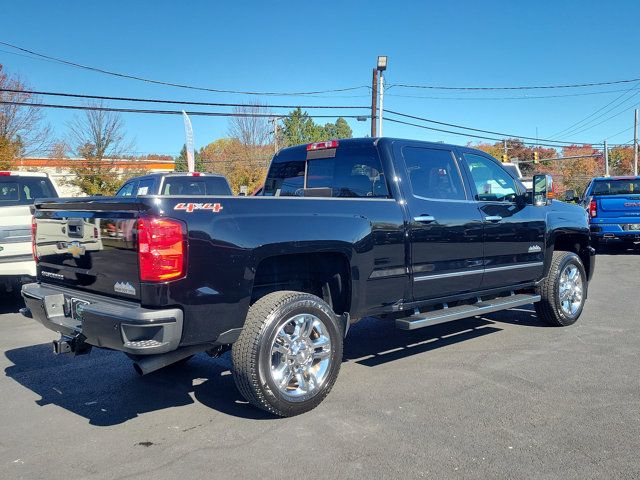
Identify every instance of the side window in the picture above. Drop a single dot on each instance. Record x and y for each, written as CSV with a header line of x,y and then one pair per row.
x,y
492,182
285,179
127,190
145,187
433,173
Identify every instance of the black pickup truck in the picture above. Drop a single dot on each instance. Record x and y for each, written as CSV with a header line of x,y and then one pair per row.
x,y
418,233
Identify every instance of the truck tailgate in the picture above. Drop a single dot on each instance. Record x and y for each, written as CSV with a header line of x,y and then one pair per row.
x,y
89,244
619,205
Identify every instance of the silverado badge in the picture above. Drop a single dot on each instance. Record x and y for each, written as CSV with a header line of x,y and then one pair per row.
x,y
75,249
535,249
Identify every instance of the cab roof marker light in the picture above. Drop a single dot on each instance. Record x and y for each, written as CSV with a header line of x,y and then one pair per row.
x,y
322,145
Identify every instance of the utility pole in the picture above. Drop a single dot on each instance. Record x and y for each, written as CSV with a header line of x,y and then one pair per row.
x,y
275,133
374,102
381,100
635,144
606,159
381,67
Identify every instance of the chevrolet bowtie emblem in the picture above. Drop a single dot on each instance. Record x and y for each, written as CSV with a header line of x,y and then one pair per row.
x,y
75,249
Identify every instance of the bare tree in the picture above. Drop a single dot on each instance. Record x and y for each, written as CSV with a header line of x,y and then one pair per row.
x,y
99,137
99,134
22,128
249,127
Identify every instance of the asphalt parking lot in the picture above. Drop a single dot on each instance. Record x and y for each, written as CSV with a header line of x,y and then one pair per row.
x,y
495,397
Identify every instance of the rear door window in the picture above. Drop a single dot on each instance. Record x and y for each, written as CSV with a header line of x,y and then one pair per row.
x,y
15,190
433,173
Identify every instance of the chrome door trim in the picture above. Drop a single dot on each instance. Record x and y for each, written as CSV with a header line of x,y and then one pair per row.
x,y
475,272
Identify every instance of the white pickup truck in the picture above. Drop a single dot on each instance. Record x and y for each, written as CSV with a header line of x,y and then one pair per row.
x,y
18,190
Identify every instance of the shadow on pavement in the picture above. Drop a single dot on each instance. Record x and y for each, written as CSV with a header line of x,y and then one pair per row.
x,y
10,302
104,388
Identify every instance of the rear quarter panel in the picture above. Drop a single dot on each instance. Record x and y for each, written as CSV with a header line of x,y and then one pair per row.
x,y
226,247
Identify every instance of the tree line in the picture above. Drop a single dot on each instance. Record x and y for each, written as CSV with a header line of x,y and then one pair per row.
x,y
99,138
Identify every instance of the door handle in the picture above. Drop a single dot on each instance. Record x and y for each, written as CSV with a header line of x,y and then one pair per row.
x,y
493,218
424,219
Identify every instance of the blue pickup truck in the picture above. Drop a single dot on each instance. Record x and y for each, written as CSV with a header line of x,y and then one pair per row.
x,y
613,204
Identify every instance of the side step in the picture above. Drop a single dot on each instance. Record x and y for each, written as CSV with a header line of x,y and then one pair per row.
x,y
464,311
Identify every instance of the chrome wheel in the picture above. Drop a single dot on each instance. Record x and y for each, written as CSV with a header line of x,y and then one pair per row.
x,y
570,290
300,356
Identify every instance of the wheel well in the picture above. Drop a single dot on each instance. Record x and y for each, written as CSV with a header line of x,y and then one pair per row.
x,y
323,274
577,244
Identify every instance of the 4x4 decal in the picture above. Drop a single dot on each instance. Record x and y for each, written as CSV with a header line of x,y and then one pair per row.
x,y
190,207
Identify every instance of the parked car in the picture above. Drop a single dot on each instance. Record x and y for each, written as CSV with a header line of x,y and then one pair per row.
x,y
613,204
176,183
419,233
18,190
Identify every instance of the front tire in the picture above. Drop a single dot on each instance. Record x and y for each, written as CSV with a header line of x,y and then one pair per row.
x,y
289,353
563,292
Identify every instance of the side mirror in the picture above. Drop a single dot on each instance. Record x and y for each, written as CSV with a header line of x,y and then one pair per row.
x,y
570,196
542,190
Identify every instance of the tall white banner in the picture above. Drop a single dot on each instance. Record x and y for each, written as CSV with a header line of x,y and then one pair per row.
x,y
188,133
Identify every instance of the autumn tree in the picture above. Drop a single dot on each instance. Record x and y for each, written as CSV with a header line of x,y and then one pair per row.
x,y
98,136
228,157
621,160
574,174
22,128
517,149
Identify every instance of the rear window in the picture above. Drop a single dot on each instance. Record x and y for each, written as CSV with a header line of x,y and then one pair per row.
x,y
616,187
16,190
195,186
352,172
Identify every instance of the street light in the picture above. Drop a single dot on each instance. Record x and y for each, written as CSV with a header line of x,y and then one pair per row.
x,y
382,66
382,63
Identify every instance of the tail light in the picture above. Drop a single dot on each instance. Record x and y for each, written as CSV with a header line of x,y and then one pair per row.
x,y
593,209
34,232
162,249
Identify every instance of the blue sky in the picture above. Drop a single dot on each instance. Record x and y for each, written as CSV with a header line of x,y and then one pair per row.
x,y
302,46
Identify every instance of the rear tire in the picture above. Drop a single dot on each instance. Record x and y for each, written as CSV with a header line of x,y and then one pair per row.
x,y
289,353
563,292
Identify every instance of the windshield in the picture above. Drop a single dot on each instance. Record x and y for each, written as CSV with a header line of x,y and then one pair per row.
x,y
15,190
617,187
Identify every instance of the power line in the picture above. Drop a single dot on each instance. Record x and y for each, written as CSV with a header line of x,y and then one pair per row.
x,y
528,97
571,127
176,102
527,87
470,135
482,131
171,84
163,112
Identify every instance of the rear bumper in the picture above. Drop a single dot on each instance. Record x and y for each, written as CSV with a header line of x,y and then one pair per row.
x,y
17,266
104,322
615,230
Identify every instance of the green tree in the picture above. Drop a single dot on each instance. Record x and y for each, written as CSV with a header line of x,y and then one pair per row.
x,y
300,128
181,161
